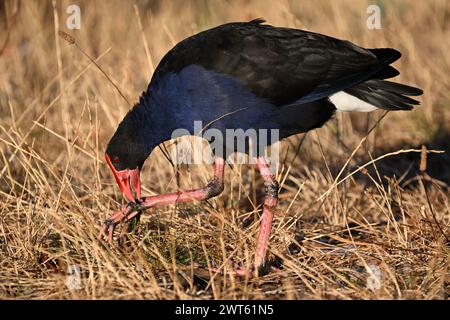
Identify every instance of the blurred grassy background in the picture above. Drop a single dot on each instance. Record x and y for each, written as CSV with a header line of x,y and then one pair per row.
x,y
57,112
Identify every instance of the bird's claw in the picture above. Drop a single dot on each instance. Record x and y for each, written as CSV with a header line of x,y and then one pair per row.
x,y
124,215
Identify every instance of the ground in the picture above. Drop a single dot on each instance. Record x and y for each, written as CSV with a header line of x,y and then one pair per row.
x,y
363,214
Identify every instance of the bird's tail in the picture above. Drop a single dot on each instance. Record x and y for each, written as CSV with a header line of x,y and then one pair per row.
x,y
386,94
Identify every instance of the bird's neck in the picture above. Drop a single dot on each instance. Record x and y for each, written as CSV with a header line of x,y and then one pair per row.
x,y
148,121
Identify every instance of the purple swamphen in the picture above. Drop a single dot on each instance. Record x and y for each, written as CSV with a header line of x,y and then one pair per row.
x,y
248,75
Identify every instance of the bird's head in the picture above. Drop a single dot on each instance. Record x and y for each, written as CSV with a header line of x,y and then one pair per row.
x,y
125,155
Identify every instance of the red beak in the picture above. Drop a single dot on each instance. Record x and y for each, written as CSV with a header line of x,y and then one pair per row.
x,y
125,179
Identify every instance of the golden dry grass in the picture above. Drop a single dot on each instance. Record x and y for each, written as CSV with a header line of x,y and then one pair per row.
x,y
58,112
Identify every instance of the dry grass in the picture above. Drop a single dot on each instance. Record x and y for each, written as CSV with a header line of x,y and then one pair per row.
x,y
58,112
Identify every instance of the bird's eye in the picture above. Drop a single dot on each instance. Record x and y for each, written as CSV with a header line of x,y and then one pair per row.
x,y
116,159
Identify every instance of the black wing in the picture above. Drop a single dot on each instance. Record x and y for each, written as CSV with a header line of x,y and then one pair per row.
x,y
281,65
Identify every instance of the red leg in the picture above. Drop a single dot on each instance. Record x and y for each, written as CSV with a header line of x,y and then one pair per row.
x,y
270,201
212,189
129,211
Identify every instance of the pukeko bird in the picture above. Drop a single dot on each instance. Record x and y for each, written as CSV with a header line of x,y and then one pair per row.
x,y
248,75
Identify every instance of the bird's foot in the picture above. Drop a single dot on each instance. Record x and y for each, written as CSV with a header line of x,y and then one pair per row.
x,y
240,273
124,215
249,273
